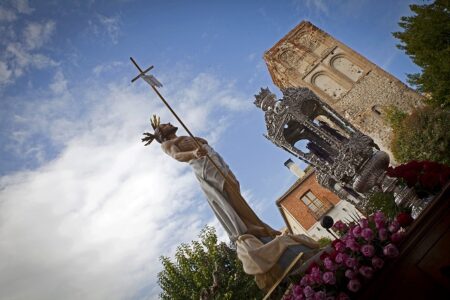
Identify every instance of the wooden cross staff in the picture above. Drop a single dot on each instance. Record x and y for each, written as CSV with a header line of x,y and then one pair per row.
x,y
154,83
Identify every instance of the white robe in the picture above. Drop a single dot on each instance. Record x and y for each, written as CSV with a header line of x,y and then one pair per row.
x,y
212,184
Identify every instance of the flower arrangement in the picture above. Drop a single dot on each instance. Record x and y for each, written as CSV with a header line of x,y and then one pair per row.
x,y
427,177
362,249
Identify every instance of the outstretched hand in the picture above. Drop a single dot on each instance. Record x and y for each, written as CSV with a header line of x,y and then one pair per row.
x,y
148,138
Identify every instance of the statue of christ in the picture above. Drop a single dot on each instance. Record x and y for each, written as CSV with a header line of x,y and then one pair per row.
x,y
224,196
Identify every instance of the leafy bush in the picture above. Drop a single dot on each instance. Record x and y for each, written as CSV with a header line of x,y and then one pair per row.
x,y
423,135
384,202
323,242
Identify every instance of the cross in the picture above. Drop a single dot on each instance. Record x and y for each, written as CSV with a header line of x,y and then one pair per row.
x,y
150,79
154,83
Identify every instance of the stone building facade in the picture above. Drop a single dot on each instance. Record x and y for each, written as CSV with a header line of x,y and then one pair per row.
x,y
356,88
306,202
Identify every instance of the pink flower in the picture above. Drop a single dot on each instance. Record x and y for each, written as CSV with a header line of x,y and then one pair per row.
x,y
354,285
397,237
364,223
351,262
339,246
340,258
390,250
297,290
340,226
316,275
368,250
382,234
377,262
343,296
378,216
308,291
394,226
366,271
367,234
320,295
328,278
350,274
306,280
380,224
352,244
356,231
328,263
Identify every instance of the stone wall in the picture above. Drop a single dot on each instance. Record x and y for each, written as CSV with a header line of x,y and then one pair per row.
x,y
355,87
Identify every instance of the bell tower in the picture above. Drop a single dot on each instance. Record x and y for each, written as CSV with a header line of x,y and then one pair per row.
x,y
353,86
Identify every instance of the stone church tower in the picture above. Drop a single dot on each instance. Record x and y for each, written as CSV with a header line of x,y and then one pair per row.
x,y
355,87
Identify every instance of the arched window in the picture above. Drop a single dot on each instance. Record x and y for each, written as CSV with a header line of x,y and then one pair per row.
x,y
346,67
328,85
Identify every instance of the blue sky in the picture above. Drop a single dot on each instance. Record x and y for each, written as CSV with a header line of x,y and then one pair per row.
x,y
85,209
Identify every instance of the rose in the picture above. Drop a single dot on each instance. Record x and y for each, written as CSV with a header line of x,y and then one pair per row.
x,y
340,258
363,223
397,237
352,244
350,274
354,285
329,278
367,234
368,250
356,231
306,280
328,263
404,219
366,271
351,262
320,295
382,234
390,250
316,276
340,226
377,262
308,291
339,246
343,296
394,226
297,290
378,216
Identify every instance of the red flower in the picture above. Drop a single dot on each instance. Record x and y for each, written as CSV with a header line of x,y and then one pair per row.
x,y
311,266
430,181
410,178
404,219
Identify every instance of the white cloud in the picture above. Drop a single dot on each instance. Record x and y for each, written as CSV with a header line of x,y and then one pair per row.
x,y
59,84
7,15
5,73
319,6
37,34
91,223
104,68
22,52
111,25
22,6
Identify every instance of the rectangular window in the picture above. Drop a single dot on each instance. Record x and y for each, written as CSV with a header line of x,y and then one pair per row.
x,y
315,205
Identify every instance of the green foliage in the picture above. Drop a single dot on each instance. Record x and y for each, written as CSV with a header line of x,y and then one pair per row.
x,y
424,135
193,270
384,202
426,39
324,241
395,116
